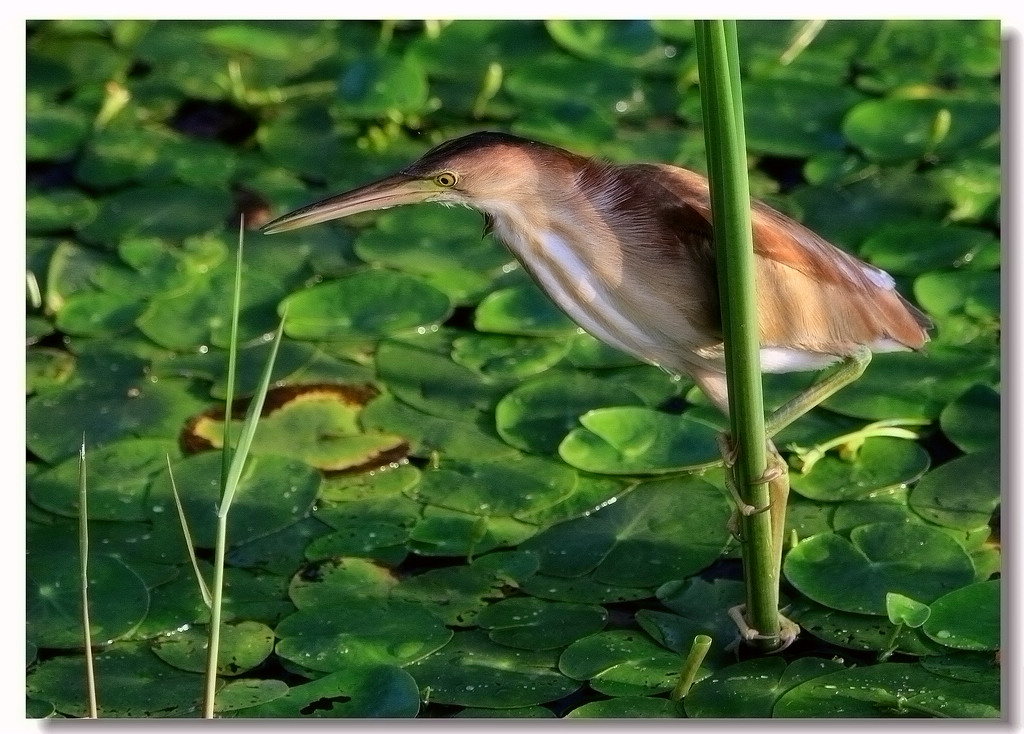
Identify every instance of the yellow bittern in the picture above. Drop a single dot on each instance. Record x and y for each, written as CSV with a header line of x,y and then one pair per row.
x,y
627,252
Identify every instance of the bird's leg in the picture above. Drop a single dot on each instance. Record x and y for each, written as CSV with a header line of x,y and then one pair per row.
x,y
842,375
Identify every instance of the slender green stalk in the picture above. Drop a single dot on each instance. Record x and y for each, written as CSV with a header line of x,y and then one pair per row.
x,y
231,478
236,306
83,545
698,651
718,65
203,588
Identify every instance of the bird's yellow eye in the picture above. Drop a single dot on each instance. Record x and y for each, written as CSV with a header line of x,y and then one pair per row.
x,y
446,179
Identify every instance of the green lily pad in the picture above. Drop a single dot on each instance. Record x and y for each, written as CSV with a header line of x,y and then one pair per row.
x,y
906,611
117,476
973,420
621,663
863,632
634,440
918,247
432,382
960,291
538,414
246,693
749,689
588,352
662,530
243,646
364,305
535,624
355,691
47,368
378,85
58,418
962,493
339,580
53,133
581,590
99,314
880,463
118,600
976,667
795,118
273,493
170,211
508,357
590,493
384,482
626,707
973,188
443,246
854,575
502,487
896,129
359,633
134,681
473,671
53,211
631,43
444,532
455,439
888,690
522,311
967,618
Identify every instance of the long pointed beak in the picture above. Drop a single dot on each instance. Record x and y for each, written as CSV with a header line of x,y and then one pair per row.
x,y
388,192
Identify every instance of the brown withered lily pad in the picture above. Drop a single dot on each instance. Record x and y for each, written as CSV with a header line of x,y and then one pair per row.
x,y
315,423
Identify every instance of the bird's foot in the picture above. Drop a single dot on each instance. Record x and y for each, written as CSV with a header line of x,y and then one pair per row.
x,y
788,629
775,469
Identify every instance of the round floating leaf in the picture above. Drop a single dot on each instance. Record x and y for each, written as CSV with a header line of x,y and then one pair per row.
x,y
273,493
473,671
521,310
134,682
457,439
904,610
53,211
621,663
889,690
173,212
580,589
630,43
368,304
795,118
972,421
854,575
962,493
441,245
55,132
960,291
117,476
375,86
359,632
118,600
384,482
745,690
444,532
355,691
912,385
972,186
538,414
626,707
859,631
917,247
432,382
248,692
634,440
317,424
338,580
58,418
899,129
588,352
47,368
880,463
534,624
967,618
662,530
243,646
975,667
523,712
99,314
505,357
502,487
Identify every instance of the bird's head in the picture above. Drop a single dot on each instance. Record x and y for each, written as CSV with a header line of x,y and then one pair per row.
x,y
487,171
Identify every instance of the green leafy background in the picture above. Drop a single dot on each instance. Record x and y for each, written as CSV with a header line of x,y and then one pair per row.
x,y
557,533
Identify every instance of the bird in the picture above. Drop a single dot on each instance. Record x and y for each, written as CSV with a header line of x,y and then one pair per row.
x,y
627,252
